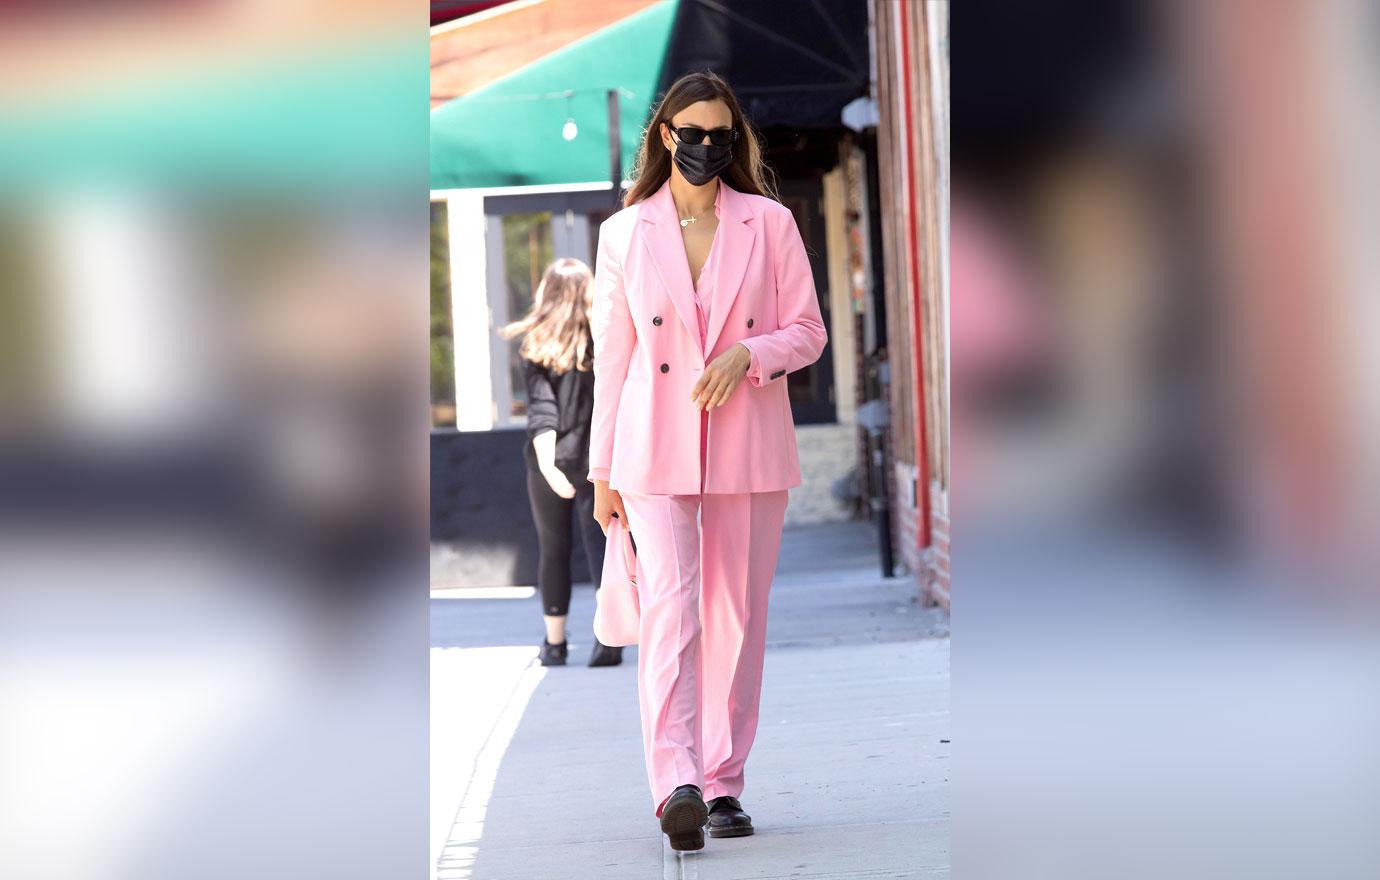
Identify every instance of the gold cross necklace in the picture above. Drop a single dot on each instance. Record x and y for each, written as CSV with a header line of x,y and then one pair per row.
x,y
686,221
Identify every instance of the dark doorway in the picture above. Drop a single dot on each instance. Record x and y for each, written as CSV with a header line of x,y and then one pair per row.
x,y
812,389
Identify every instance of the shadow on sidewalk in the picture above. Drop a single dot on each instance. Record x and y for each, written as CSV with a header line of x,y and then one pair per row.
x,y
848,774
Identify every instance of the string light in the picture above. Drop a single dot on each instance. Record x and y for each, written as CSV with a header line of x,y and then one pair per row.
x,y
569,131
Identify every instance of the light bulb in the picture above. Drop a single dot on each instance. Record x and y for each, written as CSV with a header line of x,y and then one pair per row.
x,y
568,131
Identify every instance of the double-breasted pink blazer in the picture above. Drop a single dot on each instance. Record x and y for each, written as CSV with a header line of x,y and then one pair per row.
x,y
645,433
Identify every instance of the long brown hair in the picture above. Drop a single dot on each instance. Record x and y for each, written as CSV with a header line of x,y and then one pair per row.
x,y
557,326
748,173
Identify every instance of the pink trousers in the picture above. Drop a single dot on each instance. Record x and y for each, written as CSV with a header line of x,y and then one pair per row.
x,y
706,563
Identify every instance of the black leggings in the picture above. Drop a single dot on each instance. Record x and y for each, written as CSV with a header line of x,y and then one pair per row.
x,y
552,515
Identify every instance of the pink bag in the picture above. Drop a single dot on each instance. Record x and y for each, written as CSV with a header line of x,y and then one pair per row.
x,y
616,606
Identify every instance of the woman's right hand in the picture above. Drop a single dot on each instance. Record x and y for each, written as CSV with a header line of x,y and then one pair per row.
x,y
544,445
558,482
607,503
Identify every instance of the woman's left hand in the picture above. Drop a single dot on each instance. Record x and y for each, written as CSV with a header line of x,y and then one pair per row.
x,y
721,377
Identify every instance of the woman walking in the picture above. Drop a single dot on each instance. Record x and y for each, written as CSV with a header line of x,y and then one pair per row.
x,y
556,355
704,302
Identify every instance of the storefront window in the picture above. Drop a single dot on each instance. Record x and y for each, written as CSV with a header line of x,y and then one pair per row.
x,y
442,333
527,251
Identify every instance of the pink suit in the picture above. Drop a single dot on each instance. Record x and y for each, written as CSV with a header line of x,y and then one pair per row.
x,y
645,435
705,492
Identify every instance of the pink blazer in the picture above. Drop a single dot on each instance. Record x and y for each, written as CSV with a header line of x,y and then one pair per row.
x,y
645,434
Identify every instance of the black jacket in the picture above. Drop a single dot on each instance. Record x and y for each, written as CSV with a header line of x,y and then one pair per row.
x,y
564,403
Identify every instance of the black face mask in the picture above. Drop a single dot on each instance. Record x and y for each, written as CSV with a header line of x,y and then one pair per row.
x,y
701,163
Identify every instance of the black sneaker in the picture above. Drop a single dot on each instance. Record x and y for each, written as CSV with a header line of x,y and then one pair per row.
x,y
683,818
605,655
727,819
552,655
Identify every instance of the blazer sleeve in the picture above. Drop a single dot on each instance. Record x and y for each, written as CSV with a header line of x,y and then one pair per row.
x,y
611,325
800,337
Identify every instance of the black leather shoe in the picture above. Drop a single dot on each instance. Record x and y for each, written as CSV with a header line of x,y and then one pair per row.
x,y
605,655
552,655
727,819
683,818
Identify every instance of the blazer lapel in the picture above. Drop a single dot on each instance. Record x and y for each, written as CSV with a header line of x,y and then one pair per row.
x,y
735,241
665,246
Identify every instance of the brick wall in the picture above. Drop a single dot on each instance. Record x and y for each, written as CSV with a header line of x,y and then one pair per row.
x,y
905,522
929,565
935,578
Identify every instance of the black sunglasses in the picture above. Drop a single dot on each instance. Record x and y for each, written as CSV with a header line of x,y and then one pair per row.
x,y
690,134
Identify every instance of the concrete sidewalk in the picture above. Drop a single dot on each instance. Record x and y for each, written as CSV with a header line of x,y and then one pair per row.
x,y
538,773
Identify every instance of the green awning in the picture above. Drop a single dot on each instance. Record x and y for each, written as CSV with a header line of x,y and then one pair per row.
x,y
509,133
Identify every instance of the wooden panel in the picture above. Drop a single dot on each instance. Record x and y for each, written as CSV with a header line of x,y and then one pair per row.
x,y
895,278
466,56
